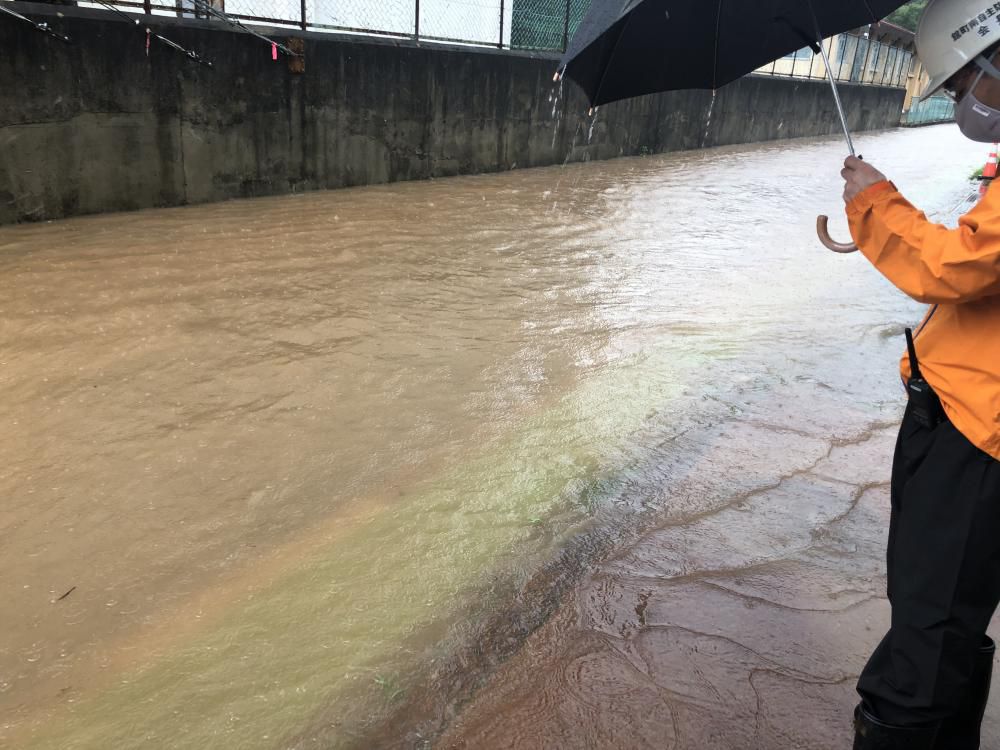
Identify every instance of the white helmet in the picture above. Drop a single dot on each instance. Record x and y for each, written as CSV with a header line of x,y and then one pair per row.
x,y
951,34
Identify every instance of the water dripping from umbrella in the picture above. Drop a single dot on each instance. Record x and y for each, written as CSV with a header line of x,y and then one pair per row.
x,y
708,119
557,110
593,113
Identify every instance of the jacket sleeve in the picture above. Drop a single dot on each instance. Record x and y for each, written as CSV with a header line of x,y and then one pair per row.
x,y
927,261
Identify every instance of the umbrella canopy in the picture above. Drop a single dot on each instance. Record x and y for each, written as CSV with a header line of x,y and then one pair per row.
x,y
627,48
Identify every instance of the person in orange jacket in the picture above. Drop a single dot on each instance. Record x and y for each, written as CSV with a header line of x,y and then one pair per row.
x,y
925,687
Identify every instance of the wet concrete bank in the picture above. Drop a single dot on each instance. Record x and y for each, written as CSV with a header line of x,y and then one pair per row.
x,y
743,629
98,126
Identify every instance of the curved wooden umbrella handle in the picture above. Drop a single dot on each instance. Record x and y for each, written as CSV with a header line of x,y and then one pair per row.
x,y
822,229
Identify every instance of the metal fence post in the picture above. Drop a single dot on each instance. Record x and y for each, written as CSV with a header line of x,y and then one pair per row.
x,y
888,66
895,66
416,20
868,56
822,68
500,43
304,24
812,65
566,28
864,58
845,53
854,62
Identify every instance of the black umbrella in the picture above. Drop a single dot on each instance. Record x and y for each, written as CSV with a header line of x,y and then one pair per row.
x,y
627,48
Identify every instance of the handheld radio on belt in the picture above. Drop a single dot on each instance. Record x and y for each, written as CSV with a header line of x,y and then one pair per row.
x,y
925,406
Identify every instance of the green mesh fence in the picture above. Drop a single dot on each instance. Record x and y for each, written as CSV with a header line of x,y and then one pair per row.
x,y
545,24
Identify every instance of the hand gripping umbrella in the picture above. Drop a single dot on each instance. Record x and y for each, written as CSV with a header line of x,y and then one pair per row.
x,y
627,48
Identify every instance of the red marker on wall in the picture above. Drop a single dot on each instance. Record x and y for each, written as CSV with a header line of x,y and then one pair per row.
x,y
274,50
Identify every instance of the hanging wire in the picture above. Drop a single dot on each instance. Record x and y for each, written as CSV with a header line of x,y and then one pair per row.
x,y
204,6
191,54
39,25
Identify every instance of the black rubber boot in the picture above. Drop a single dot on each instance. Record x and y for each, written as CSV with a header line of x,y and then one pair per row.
x,y
961,732
872,734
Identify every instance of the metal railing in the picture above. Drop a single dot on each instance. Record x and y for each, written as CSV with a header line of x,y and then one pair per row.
x,y
933,110
540,25
853,58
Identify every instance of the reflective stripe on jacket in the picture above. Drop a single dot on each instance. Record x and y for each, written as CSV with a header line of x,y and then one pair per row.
x,y
959,271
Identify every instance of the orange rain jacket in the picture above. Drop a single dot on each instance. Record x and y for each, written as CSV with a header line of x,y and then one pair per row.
x,y
958,272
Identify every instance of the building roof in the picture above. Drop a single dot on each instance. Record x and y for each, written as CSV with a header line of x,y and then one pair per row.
x,y
890,33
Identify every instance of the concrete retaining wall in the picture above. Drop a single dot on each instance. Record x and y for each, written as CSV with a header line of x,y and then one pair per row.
x,y
97,126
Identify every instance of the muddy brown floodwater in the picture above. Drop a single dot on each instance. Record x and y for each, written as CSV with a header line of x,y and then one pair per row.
x,y
595,453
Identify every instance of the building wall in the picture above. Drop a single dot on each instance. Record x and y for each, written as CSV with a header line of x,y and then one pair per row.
x,y
918,78
98,126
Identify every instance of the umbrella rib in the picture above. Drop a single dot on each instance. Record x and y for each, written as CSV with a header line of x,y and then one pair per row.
x,y
614,51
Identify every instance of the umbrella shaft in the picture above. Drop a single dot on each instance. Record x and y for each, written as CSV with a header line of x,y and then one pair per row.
x,y
836,97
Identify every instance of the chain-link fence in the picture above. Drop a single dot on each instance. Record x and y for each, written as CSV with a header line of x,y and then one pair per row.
x,y
545,24
538,25
478,22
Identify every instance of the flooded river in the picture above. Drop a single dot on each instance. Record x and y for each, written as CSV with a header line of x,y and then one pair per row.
x,y
300,472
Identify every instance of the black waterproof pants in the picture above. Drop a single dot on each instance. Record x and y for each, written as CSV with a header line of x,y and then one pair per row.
x,y
943,572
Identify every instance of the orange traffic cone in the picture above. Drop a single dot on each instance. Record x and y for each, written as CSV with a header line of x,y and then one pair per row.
x,y
990,170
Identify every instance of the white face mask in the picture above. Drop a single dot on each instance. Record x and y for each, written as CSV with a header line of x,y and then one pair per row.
x,y
977,121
